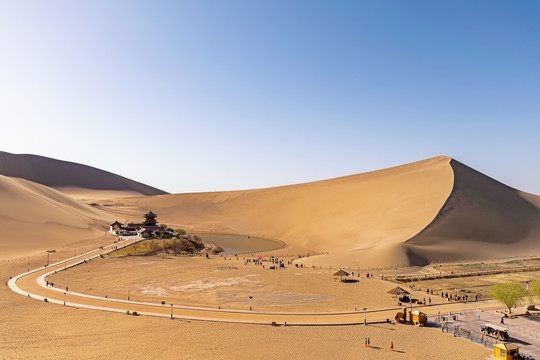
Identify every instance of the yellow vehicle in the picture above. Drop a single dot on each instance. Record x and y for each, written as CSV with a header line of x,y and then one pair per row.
x,y
418,318
498,332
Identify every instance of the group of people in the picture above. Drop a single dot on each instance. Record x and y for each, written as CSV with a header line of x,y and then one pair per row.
x,y
367,343
457,298
449,296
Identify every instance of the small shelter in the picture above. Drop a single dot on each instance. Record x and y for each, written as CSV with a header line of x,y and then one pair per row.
x,y
505,351
402,294
398,291
341,274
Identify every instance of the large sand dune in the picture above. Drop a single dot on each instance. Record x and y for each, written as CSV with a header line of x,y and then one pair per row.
x,y
68,176
429,211
350,216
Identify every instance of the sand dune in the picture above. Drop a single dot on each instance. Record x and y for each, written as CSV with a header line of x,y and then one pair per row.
x,y
373,212
68,176
482,219
435,210
429,211
35,218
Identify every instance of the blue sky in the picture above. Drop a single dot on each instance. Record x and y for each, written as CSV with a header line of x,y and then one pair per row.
x,y
220,95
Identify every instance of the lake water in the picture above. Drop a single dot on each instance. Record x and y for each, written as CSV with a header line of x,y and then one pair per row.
x,y
232,244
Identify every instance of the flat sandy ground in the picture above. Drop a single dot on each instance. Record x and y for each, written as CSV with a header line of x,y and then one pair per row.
x,y
30,329
227,282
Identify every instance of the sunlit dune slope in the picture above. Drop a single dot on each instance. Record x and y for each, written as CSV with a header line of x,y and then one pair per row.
x,y
34,218
70,177
483,219
371,214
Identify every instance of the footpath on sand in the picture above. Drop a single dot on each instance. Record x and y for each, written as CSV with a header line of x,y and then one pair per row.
x,y
32,284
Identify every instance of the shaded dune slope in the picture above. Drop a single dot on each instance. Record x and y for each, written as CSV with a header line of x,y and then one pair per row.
x,y
35,218
68,175
482,219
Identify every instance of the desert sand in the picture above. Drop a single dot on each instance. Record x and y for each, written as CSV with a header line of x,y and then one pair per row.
x,y
35,329
214,282
413,214
35,218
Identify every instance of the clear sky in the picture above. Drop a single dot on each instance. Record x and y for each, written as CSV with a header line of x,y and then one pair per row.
x,y
219,95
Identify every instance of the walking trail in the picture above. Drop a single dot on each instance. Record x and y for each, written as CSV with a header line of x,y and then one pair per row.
x,y
33,284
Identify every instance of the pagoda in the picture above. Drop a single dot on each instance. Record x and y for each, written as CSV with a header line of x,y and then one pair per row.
x,y
150,219
145,229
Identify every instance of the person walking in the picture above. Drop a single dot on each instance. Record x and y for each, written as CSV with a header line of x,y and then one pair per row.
x,y
391,346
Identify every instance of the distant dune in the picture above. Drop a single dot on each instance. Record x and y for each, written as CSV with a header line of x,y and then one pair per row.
x,y
68,176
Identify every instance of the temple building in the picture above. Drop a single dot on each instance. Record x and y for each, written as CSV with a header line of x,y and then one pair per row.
x,y
148,228
150,219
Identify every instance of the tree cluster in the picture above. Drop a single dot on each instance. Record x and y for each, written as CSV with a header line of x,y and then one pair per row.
x,y
189,245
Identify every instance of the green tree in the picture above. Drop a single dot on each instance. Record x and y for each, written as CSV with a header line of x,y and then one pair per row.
x,y
180,231
510,294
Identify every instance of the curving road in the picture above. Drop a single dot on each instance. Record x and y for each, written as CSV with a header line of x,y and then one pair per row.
x,y
32,284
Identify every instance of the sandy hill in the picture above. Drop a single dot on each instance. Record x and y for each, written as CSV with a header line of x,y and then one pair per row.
x,y
481,219
432,210
34,218
72,178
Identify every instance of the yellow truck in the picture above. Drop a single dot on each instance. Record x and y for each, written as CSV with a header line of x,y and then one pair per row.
x,y
416,317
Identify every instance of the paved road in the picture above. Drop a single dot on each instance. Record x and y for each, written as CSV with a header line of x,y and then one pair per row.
x,y
33,284
523,331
